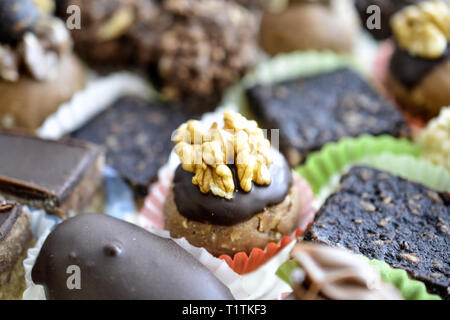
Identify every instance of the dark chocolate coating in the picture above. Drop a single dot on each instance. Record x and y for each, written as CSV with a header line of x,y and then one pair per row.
x,y
16,18
136,134
388,8
120,261
43,170
312,111
410,70
194,205
9,213
385,217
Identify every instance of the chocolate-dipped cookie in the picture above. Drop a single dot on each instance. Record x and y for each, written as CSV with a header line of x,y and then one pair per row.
x,y
419,69
232,191
15,239
305,24
38,71
117,260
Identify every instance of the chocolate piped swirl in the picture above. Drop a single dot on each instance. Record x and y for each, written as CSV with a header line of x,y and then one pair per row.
x,y
208,208
411,70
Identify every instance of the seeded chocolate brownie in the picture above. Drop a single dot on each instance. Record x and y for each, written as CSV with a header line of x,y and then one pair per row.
x,y
386,217
312,111
135,134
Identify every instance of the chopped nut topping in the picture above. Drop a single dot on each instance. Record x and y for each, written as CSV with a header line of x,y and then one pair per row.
x,y
410,257
367,206
207,154
423,29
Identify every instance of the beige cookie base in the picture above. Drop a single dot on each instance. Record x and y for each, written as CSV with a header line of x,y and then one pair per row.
x,y
27,103
267,226
426,99
13,250
310,26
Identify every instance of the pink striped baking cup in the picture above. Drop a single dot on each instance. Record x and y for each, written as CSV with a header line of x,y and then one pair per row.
x,y
151,216
380,72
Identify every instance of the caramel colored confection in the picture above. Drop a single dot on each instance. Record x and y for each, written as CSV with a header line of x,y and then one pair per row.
x,y
118,260
388,218
419,70
240,195
61,177
314,110
15,239
304,24
337,274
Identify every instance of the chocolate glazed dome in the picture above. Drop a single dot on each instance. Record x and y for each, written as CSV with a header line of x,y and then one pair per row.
x,y
209,208
120,261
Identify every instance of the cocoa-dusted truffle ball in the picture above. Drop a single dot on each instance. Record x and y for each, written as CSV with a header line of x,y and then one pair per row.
x,y
209,45
16,18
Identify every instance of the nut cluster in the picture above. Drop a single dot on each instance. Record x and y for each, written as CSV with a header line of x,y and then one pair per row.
x,y
208,154
423,29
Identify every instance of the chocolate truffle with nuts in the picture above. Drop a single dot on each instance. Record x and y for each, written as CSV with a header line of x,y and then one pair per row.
x,y
309,24
232,191
38,71
419,69
209,45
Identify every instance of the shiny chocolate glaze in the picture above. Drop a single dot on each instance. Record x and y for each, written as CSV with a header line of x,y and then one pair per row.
x,y
410,70
208,208
120,261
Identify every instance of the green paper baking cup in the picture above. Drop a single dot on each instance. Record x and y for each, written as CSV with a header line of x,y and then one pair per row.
x,y
321,165
409,289
286,67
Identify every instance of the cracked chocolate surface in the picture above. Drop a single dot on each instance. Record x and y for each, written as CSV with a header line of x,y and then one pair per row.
x,y
312,111
392,219
136,135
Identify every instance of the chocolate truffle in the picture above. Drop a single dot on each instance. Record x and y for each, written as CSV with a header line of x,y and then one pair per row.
x,y
336,274
117,260
209,45
305,24
38,71
240,195
15,239
388,218
62,177
419,69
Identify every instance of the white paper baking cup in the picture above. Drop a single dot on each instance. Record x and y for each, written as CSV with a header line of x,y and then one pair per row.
x,y
99,93
41,226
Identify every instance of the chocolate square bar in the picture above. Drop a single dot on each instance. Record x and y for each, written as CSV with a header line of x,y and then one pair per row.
x,y
385,217
314,110
61,177
136,134
15,239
